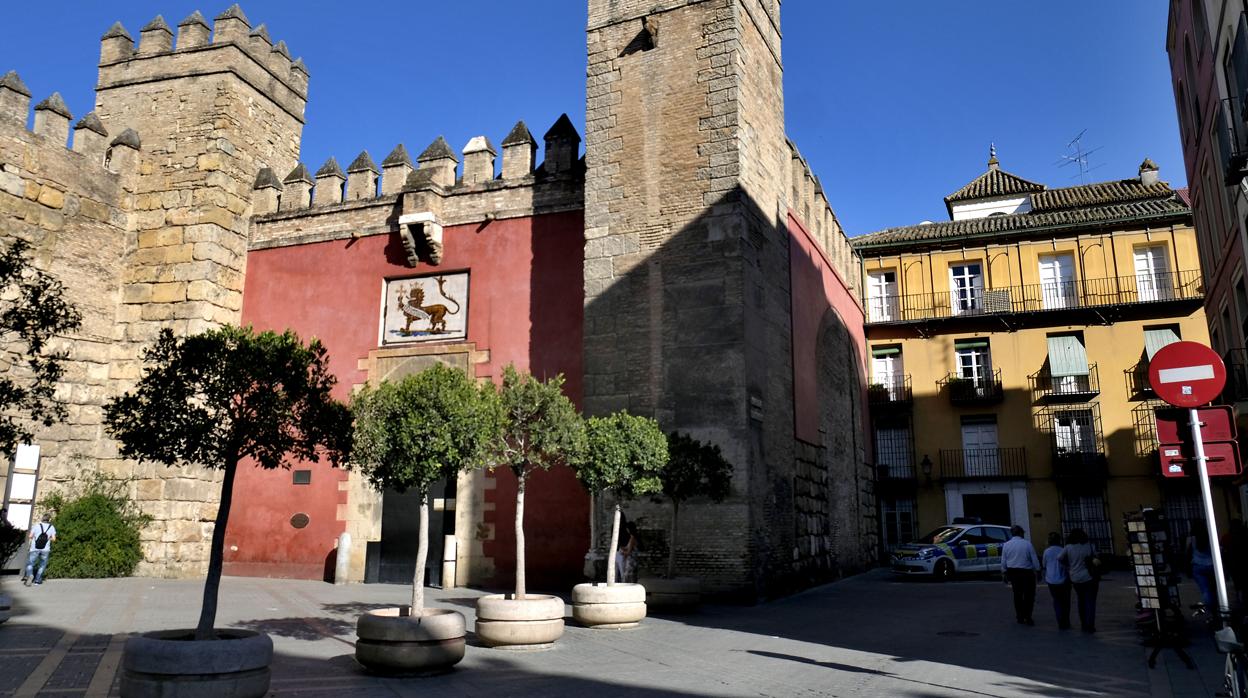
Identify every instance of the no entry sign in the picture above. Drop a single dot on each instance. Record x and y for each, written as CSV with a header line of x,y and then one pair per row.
x,y
1187,374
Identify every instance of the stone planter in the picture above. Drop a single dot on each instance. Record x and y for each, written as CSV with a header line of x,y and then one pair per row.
x,y
605,607
6,606
533,623
393,642
170,664
678,594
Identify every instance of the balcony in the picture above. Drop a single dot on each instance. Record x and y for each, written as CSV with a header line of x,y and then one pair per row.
x,y
1036,298
891,393
1232,139
1136,377
983,464
1054,389
970,392
1080,467
1236,390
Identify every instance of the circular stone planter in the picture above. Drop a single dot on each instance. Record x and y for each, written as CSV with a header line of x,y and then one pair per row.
x,y
675,594
171,664
532,623
6,606
391,641
605,607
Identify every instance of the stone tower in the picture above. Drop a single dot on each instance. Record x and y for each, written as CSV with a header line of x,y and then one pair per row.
x,y
211,111
688,298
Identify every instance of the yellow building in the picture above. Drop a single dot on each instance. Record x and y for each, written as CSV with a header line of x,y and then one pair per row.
x,y
1009,349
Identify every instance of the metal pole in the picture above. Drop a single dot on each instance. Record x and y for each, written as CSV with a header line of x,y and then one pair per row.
x,y
1206,496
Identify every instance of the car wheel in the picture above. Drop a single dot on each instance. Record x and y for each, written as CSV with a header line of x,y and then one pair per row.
x,y
943,571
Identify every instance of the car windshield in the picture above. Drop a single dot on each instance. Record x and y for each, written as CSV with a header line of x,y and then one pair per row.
x,y
944,534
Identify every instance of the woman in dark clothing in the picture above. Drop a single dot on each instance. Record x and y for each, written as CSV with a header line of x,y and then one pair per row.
x,y
1079,557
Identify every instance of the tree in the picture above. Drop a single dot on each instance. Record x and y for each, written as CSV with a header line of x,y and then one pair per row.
x,y
624,455
540,428
693,469
410,434
217,398
33,310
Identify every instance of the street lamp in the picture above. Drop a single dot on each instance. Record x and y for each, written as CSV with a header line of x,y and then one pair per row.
x,y
926,466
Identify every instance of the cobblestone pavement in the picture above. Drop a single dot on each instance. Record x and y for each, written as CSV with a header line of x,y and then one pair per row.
x,y
870,635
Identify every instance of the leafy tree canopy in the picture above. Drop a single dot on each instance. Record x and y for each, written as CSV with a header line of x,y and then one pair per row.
x,y
429,425
217,397
33,310
695,469
624,454
540,426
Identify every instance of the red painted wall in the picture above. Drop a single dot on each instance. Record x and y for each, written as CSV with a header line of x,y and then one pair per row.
x,y
817,288
525,307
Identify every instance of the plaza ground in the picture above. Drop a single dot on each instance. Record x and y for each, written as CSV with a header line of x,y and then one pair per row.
x,y
870,635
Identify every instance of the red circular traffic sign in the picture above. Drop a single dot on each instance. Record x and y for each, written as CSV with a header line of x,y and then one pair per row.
x,y
1187,374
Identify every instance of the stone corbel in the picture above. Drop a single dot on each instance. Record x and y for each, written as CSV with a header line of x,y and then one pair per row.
x,y
421,229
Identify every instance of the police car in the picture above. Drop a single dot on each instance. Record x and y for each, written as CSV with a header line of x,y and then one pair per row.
x,y
953,549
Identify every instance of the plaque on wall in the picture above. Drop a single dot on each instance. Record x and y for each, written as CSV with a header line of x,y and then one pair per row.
x,y
425,309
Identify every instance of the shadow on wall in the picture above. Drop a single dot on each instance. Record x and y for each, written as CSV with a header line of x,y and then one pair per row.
x,y
696,328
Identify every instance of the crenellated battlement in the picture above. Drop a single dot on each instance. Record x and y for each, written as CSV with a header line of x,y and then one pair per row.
x,y
230,44
436,167
808,203
51,123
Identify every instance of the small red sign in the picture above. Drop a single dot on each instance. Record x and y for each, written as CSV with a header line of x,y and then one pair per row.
x,y
1217,424
1187,374
1221,458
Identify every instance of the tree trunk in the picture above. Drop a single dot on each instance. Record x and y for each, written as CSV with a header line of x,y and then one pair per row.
x,y
212,584
422,554
520,538
615,544
671,544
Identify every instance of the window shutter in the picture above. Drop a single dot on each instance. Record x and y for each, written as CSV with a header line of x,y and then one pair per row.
x,y
885,351
970,344
1155,339
1067,356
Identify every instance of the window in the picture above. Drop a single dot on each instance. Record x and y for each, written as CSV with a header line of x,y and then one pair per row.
x,y
899,520
882,300
1241,304
1157,337
894,450
1057,281
1152,273
996,535
1074,431
966,288
1087,512
980,454
973,361
1068,364
303,477
887,371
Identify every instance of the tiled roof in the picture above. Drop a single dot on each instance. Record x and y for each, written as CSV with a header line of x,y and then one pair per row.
x,y
1096,194
994,182
1021,223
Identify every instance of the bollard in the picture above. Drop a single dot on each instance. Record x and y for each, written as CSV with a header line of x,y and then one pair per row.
x,y
448,562
343,563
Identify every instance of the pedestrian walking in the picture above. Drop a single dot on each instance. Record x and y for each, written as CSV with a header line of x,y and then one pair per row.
x,y
1080,558
1021,567
41,537
1057,579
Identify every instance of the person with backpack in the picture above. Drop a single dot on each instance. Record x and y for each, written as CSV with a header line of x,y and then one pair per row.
x,y
41,537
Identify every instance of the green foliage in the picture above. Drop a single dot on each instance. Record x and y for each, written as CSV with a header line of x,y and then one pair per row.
x,y
695,469
540,426
97,531
624,454
214,398
11,539
428,426
33,310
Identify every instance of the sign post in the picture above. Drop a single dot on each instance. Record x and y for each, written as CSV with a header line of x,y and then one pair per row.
x,y
1189,374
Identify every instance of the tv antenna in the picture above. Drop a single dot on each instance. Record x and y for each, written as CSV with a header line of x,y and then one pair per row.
x,y
1079,157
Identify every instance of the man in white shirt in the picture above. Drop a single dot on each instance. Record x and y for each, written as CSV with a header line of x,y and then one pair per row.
x,y
1021,567
41,537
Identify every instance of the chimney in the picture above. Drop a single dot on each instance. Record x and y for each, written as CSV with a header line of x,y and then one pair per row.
x,y
519,152
479,160
1149,172
362,178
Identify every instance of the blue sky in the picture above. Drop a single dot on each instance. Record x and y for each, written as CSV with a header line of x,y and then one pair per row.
x,y
894,104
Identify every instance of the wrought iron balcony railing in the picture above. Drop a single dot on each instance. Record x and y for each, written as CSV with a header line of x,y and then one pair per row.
x,y
1138,387
983,463
1046,297
1080,466
1078,388
1232,139
980,390
890,392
